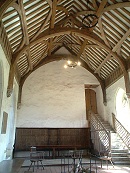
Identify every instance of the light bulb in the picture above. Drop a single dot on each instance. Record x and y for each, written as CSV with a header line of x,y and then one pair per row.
x,y
69,62
78,63
65,66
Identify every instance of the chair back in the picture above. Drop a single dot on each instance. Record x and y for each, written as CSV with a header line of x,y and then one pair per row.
x,y
106,154
40,155
34,156
33,149
76,153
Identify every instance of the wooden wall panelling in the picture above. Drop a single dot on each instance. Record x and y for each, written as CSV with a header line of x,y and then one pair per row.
x,y
53,138
27,137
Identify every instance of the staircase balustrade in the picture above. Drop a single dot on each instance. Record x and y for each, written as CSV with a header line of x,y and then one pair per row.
x,y
100,137
121,131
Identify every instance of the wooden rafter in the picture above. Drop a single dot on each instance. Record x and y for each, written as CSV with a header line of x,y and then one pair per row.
x,y
102,32
43,17
106,9
26,37
114,50
54,6
101,7
62,9
115,6
85,12
42,56
24,23
4,4
29,59
62,31
83,45
49,2
99,11
43,25
59,1
86,59
63,22
95,4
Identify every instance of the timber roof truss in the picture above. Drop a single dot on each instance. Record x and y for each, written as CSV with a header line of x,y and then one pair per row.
x,y
33,30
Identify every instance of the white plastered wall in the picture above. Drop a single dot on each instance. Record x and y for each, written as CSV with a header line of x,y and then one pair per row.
x,y
111,98
55,97
8,106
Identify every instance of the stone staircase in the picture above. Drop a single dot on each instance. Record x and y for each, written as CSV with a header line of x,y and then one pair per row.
x,y
106,124
120,153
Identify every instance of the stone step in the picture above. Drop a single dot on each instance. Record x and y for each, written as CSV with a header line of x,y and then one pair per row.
x,y
117,146
119,150
109,128
116,142
106,124
115,139
119,155
120,158
121,162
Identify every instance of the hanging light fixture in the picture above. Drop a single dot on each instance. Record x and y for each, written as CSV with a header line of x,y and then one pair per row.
x,y
71,60
71,63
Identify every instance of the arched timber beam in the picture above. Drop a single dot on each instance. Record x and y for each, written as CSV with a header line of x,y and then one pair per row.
x,y
52,58
4,5
50,33
115,6
57,31
106,9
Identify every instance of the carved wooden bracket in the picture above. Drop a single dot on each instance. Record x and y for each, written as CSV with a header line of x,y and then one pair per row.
x,y
9,91
10,81
20,94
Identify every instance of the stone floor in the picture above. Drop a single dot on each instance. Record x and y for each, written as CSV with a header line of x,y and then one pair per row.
x,y
22,166
21,162
57,169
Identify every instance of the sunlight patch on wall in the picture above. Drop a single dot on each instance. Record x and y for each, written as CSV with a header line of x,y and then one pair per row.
x,y
123,109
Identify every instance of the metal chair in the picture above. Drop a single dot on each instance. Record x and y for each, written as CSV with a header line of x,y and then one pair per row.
x,y
33,149
35,158
76,155
106,156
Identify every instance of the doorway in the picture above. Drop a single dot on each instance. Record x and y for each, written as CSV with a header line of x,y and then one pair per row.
x,y
91,101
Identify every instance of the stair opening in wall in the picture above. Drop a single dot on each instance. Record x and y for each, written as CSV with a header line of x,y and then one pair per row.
x,y
123,108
